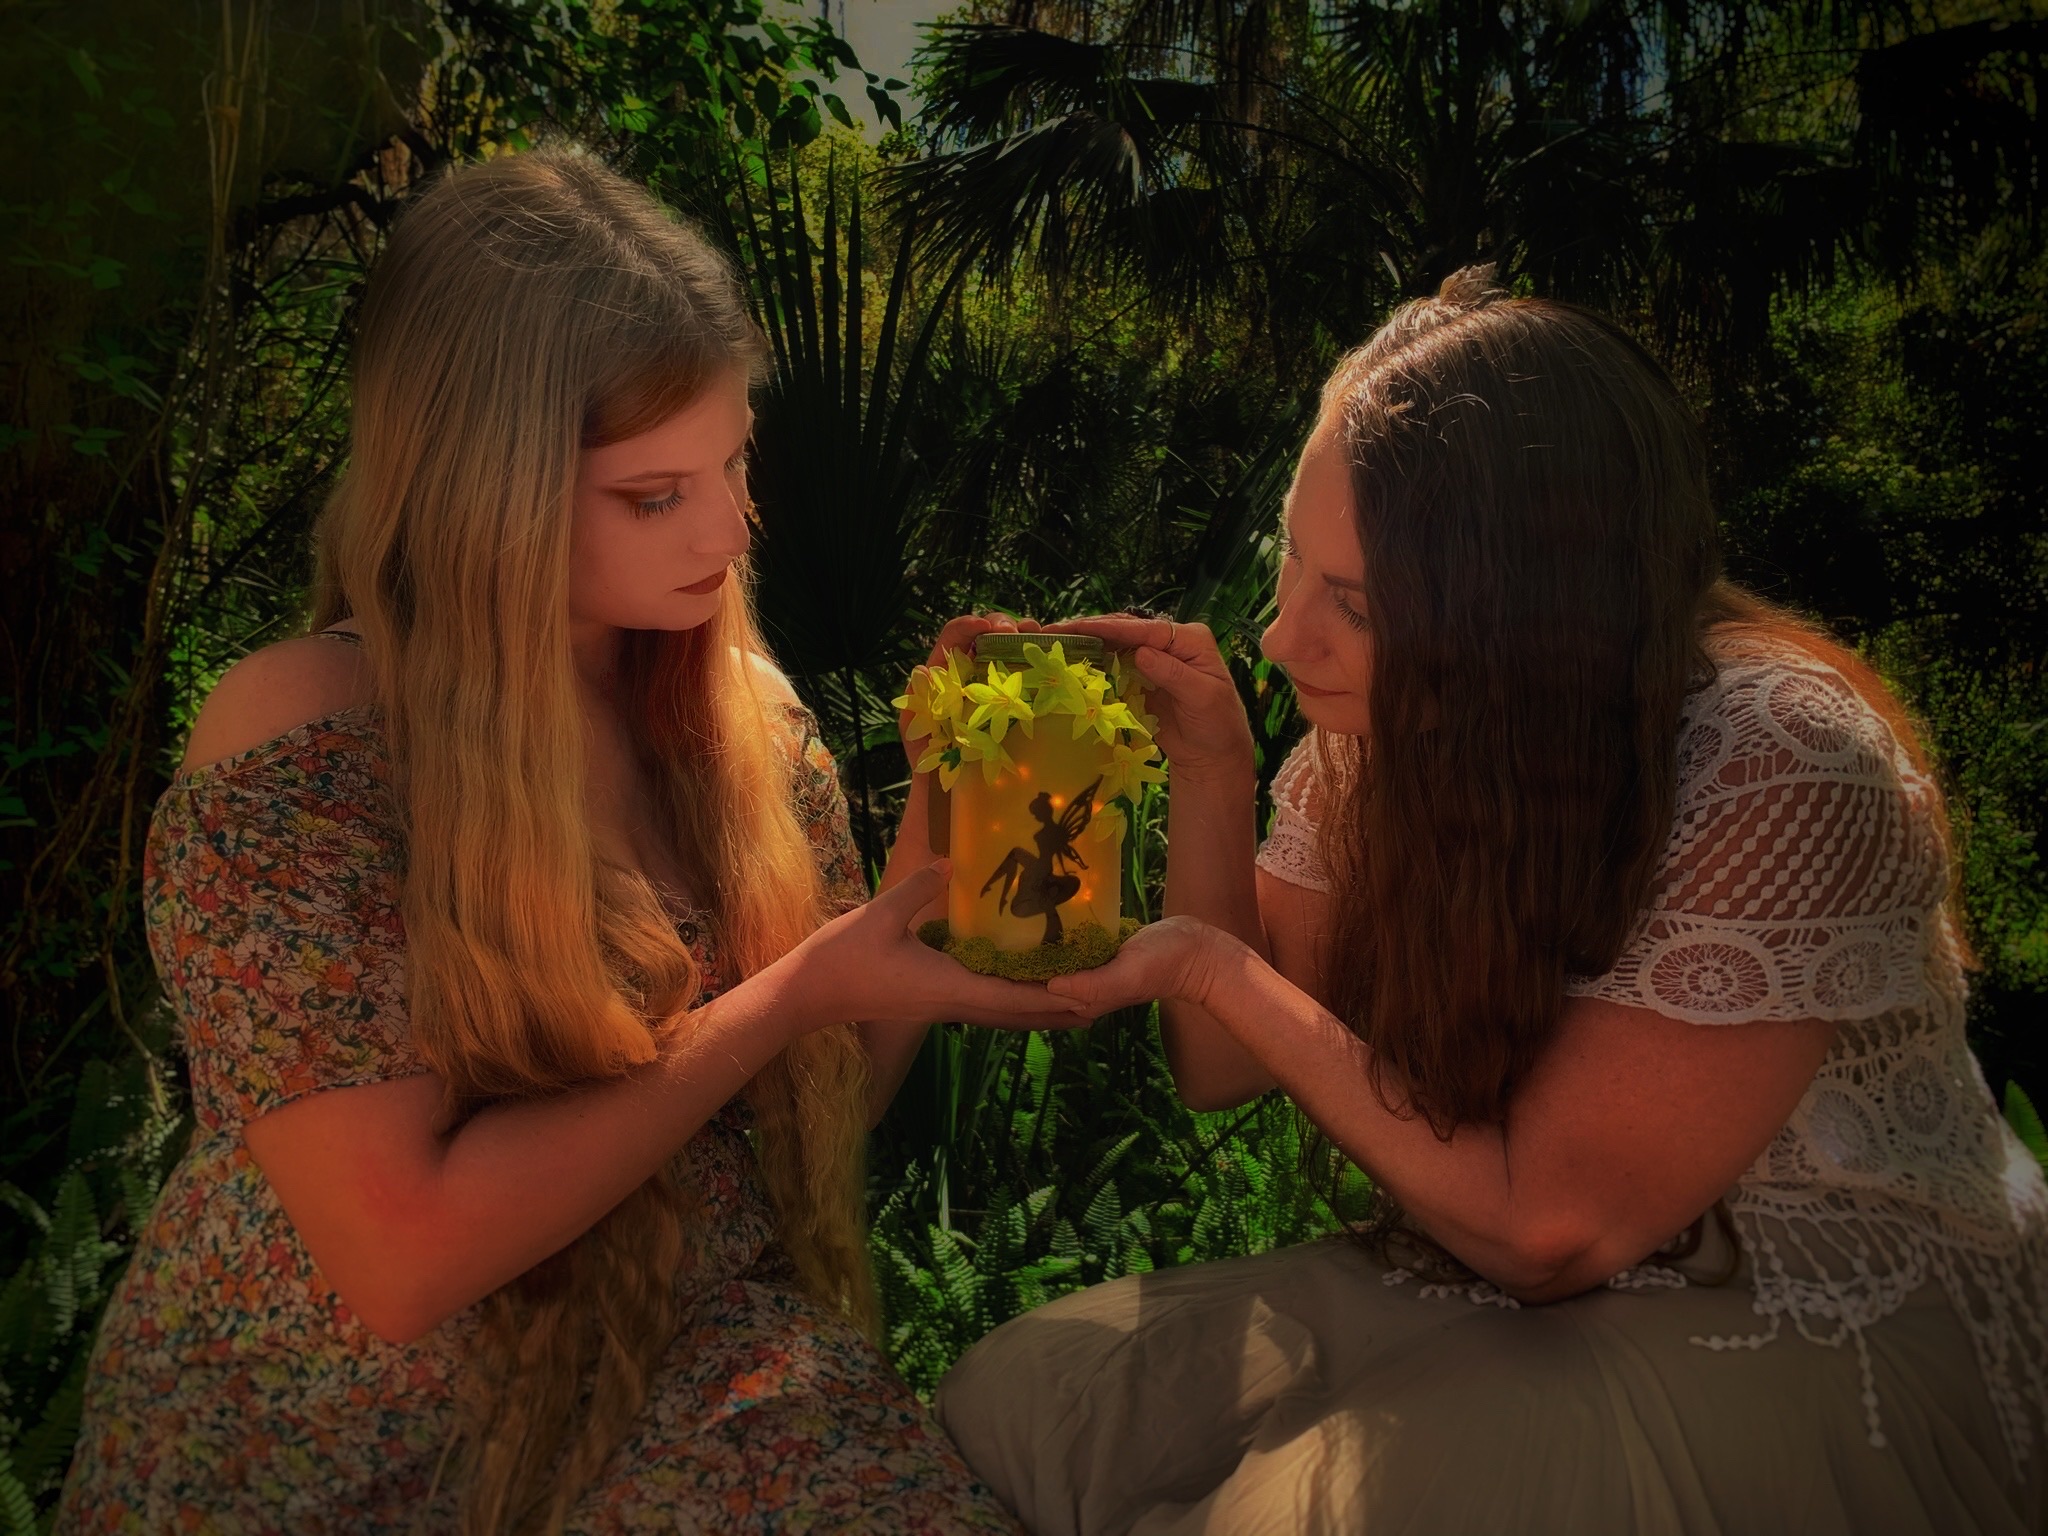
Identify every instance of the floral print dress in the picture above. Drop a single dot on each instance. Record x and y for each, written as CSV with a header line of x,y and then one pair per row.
x,y
232,1391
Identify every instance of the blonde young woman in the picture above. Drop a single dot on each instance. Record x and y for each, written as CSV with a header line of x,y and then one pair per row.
x,y
1602,903
499,918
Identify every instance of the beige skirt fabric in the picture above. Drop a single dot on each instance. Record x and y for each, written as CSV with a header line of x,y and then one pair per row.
x,y
1297,1394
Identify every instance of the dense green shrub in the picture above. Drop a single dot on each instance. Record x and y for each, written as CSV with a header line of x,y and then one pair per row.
x,y
1889,479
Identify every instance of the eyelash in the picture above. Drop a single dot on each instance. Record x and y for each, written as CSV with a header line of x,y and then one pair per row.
x,y
735,465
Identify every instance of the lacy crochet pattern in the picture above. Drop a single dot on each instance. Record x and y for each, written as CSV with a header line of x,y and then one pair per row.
x,y
1805,878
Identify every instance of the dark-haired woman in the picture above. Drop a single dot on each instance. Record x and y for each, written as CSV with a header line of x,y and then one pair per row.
x,y
1605,922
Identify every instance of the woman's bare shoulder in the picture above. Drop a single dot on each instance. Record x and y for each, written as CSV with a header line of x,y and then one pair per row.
x,y
773,682
275,690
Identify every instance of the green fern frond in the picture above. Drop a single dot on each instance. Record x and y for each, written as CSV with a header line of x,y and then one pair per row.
x,y
20,1301
1104,1216
1106,1164
17,1509
1066,1242
44,1451
15,1199
961,1285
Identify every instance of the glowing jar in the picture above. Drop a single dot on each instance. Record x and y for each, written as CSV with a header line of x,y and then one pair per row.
x,y
1037,743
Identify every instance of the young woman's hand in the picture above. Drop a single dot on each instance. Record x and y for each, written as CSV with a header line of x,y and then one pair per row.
x,y
869,964
1202,726
1171,958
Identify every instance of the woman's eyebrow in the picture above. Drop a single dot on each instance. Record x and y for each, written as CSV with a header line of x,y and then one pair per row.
x,y
1287,532
648,475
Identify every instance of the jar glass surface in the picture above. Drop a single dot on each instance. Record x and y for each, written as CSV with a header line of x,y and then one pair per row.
x,y
1029,861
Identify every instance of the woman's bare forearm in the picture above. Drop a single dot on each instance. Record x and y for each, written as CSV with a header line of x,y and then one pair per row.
x,y
1212,829
1625,1129
1499,1205
411,1225
892,1045
565,1162
1458,1190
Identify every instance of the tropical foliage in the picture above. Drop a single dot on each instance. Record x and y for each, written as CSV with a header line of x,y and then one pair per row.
x,y
1050,346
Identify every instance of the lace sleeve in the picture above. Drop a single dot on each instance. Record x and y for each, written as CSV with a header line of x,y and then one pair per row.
x,y
1289,851
1804,876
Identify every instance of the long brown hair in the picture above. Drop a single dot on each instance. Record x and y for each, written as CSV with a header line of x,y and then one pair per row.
x,y
526,310
1541,576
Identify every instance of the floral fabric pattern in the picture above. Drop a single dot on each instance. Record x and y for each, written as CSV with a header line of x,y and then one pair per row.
x,y
231,1390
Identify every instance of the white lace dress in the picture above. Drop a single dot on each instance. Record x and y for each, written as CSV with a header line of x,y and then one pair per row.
x,y
1895,1222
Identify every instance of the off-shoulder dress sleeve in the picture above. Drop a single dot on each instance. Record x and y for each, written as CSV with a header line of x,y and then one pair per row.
x,y
1804,875
271,901
822,812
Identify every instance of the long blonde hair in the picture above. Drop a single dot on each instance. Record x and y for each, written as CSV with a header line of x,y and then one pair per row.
x,y
525,310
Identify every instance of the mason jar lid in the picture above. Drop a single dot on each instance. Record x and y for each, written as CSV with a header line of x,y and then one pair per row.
x,y
1008,648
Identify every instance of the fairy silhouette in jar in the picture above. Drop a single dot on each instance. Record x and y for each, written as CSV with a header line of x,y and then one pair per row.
x,y
1038,885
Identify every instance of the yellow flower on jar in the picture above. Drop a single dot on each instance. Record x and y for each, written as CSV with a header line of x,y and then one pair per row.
x,y
999,701
949,686
1108,823
1100,714
978,746
1052,679
926,718
1128,684
1130,770
945,758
